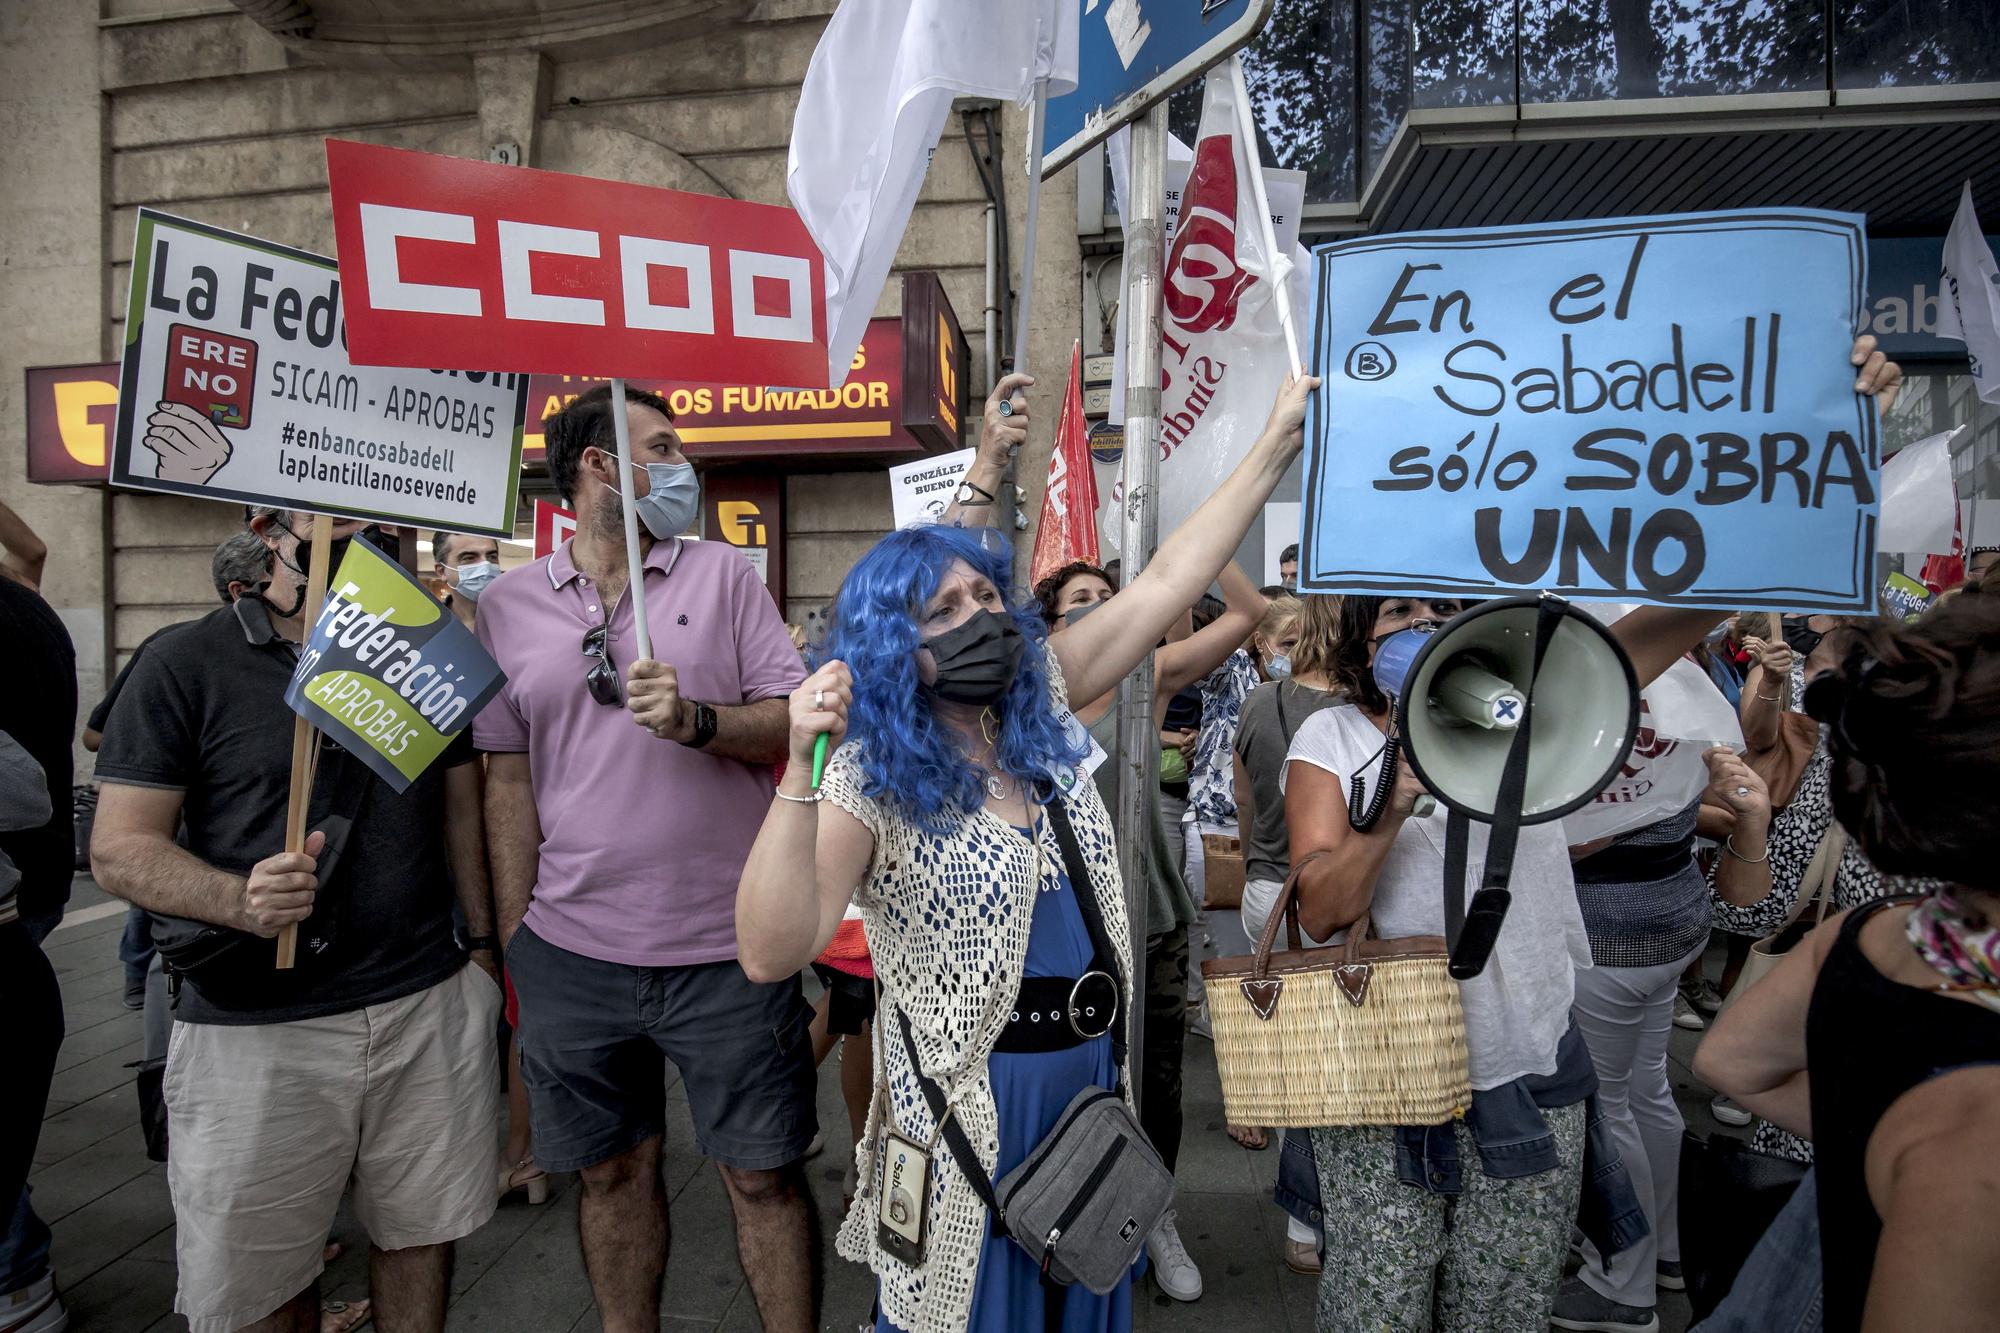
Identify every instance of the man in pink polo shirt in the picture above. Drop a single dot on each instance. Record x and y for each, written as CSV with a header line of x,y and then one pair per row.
x,y
615,851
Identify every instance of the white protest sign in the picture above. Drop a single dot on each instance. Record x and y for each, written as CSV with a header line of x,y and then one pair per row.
x,y
920,491
236,386
1281,529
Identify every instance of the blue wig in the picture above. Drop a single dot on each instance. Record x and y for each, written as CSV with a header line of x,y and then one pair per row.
x,y
907,755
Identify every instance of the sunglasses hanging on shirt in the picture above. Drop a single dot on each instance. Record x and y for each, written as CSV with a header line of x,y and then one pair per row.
x,y
602,678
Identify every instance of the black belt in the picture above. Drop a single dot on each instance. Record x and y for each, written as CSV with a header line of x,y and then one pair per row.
x,y
1057,1013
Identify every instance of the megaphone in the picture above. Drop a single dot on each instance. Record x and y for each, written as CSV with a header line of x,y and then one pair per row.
x,y
1461,693
1516,712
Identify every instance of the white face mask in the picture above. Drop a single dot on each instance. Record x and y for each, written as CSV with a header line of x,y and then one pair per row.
x,y
470,580
672,501
1279,665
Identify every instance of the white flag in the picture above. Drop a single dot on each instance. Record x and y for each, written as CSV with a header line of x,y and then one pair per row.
x,y
1284,190
1969,305
875,99
1223,356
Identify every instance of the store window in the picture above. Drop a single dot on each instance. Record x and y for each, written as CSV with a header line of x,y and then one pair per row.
x,y
1933,401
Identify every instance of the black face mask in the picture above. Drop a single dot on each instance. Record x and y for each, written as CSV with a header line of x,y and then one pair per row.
x,y
371,534
1801,637
977,661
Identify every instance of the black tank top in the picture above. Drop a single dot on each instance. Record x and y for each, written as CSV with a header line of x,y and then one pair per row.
x,y
1869,1040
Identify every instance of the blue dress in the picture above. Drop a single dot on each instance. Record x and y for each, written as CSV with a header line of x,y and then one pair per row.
x,y
1030,1092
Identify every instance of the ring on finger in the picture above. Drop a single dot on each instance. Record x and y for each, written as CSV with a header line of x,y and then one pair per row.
x,y
1742,791
819,700
1006,407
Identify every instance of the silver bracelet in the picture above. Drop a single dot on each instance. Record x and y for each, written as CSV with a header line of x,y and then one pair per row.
x,y
1729,843
814,799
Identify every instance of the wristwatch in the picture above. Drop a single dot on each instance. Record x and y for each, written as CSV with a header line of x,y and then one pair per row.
x,y
481,944
704,726
969,494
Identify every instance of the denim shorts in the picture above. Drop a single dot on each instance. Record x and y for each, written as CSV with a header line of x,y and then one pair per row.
x,y
595,1038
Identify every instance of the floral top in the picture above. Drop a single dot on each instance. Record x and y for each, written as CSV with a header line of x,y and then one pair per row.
x,y
1212,780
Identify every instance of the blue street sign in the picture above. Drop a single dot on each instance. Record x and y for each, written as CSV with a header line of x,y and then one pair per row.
x,y
1132,53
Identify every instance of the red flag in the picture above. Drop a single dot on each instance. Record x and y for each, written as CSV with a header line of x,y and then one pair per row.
x,y
1068,530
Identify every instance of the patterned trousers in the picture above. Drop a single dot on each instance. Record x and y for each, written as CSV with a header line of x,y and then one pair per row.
x,y
1404,1260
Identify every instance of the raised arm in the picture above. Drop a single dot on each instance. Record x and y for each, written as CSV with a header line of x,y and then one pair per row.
x,y
809,855
1767,690
1179,665
1000,438
1103,647
1743,867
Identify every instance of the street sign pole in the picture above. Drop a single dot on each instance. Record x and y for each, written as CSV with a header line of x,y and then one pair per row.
x,y
1138,739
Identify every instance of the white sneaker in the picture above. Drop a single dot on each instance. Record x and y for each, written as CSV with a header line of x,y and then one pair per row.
x,y
1172,1269
36,1308
1729,1113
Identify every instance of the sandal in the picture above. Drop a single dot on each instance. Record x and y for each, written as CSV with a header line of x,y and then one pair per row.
x,y
342,1316
524,1175
1251,1138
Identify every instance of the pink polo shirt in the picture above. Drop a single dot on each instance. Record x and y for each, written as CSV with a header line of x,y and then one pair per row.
x,y
643,840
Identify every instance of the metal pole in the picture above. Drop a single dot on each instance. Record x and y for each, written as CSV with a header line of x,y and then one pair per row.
x,y
1037,115
1138,739
634,571
992,299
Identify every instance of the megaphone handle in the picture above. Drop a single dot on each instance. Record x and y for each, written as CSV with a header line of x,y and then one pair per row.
x,y
1424,807
1385,783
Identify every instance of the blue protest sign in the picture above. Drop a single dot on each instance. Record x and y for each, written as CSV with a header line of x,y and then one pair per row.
x,y
1640,409
1130,54
387,672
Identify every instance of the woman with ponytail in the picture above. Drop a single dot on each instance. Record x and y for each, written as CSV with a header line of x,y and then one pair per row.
x,y
1878,1038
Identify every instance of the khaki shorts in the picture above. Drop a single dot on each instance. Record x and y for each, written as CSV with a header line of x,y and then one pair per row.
x,y
270,1122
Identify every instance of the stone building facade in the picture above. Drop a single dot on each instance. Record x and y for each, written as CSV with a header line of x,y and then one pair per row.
x,y
217,112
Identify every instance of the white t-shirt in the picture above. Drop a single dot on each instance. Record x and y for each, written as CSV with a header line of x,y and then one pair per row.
x,y
1517,1010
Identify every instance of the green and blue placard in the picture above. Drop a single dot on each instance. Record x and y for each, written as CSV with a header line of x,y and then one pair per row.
x,y
387,671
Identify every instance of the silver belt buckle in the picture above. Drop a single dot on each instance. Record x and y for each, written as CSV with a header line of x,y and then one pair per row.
x,y
1079,1013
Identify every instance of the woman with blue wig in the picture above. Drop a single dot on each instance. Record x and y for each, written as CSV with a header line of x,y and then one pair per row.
x,y
953,703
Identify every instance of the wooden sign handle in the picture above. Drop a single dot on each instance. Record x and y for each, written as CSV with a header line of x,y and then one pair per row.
x,y
304,735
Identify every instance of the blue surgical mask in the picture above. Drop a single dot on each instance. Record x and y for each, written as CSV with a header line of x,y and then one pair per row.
x,y
673,500
470,580
1279,666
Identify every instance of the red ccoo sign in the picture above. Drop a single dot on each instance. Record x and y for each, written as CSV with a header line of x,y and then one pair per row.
x,y
460,265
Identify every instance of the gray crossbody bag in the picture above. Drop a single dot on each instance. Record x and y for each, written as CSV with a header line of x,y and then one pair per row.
x,y
1084,1200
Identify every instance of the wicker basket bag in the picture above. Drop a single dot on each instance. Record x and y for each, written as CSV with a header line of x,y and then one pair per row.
x,y
1365,1032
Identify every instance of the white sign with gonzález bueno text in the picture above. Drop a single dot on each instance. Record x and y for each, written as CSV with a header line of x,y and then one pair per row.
x,y
236,386
921,490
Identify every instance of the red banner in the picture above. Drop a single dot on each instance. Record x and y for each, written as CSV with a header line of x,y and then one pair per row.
x,y
1068,530
460,265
